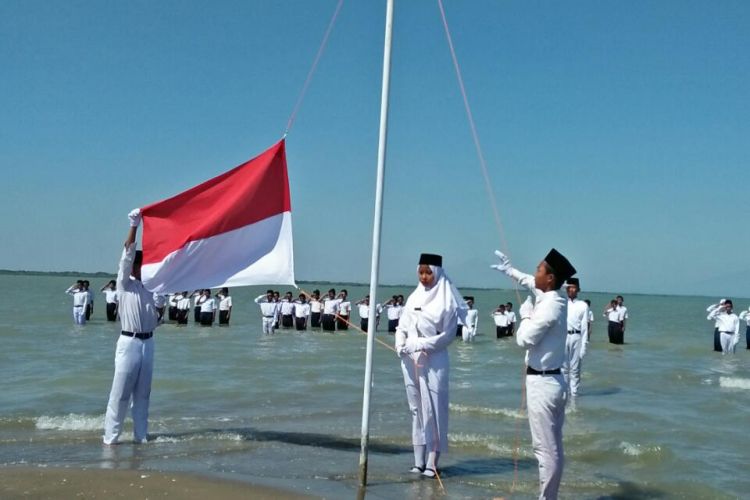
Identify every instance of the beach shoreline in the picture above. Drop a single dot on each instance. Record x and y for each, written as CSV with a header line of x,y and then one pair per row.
x,y
55,482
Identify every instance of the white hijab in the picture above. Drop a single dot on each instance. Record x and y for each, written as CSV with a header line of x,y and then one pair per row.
x,y
437,303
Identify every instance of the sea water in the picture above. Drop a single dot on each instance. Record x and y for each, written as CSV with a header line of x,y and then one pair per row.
x,y
662,416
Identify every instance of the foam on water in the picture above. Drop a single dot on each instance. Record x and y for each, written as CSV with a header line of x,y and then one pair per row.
x,y
734,382
70,422
221,436
636,450
506,412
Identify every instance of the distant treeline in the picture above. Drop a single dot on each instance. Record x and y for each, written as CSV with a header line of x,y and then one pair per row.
x,y
74,274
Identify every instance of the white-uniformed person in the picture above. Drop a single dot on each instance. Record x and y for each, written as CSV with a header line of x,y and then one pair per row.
x,y
469,330
717,337
134,356
183,308
330,310
344,312
80,302
729,326
543,333
110,297
269,309
745,315
577,340
225,306
301,312
425,330
501,321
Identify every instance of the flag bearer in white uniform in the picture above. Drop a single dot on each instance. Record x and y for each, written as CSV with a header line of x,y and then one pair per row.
x,y
729,326
269,308
425,330
469,330
80,301
543,333
577,340
134,356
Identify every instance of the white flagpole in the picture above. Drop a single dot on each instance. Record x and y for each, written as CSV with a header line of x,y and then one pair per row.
x,y
376,244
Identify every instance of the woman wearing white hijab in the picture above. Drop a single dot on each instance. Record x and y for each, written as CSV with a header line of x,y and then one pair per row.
x,y
425,330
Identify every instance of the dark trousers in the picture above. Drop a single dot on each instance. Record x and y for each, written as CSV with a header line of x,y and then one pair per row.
x,y
287,320
329,323
363,325
342,322
300,323
172,313
111,311
89,310
502,331
392,324
459,330
223,317
182,316
315,320
717,340
616,335
207,319
197,314
747,336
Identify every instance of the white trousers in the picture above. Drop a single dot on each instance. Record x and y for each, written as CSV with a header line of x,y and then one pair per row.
x,y
546,396
79,315
134,367
467,333
268,325
427,394
571,367
727,343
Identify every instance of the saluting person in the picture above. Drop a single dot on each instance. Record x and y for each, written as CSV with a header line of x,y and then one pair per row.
x,y
110,297
543,333
269,309
80,302
729,326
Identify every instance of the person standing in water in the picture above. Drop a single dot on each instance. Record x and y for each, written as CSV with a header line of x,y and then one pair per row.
x,y
425,330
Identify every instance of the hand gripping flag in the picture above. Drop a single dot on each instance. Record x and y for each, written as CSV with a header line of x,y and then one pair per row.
x,y
232,230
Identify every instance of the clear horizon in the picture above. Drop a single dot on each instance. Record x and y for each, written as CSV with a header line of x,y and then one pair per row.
x,y
614,132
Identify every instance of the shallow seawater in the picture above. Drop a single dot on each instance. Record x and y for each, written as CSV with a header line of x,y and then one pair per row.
x,y
660,417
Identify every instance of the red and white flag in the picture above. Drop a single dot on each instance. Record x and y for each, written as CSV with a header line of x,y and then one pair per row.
x,y
232,230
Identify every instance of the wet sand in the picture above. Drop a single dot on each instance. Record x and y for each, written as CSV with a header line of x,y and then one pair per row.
x,y
56,483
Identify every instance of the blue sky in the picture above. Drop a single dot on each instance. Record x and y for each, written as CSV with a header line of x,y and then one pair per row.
x,y
616,132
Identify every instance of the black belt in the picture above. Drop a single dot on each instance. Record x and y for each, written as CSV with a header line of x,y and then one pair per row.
x,y
269,316
571,332
140,336
78,306
531,371
728,333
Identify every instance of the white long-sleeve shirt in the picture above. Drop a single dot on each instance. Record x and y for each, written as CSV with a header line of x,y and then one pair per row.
x,y
393,311
331,306
268,309
137,309
728,323
287,307
301,310
544,333
500,318
80,296
110,296
225,303
745,315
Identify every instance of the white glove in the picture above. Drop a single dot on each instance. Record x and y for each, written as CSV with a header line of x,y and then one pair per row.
x,y
413,345
135,217
504,264
526,308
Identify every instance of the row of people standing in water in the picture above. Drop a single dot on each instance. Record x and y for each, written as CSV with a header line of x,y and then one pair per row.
x,y
727,326
83,301
330,312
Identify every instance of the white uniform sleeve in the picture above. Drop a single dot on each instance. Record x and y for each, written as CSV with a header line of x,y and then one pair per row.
x,y
126,266
525,280
713,314
531,331
585,332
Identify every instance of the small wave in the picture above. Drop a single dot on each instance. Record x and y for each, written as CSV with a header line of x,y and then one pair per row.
x,y
734,382
70,422
222,436
636,450
506,412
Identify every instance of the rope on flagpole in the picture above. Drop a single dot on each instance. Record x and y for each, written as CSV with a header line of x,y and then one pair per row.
x,y
493,203
314,66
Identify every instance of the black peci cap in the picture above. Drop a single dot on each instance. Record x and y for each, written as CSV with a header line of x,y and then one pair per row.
x,y
573,282
561,267
431,259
